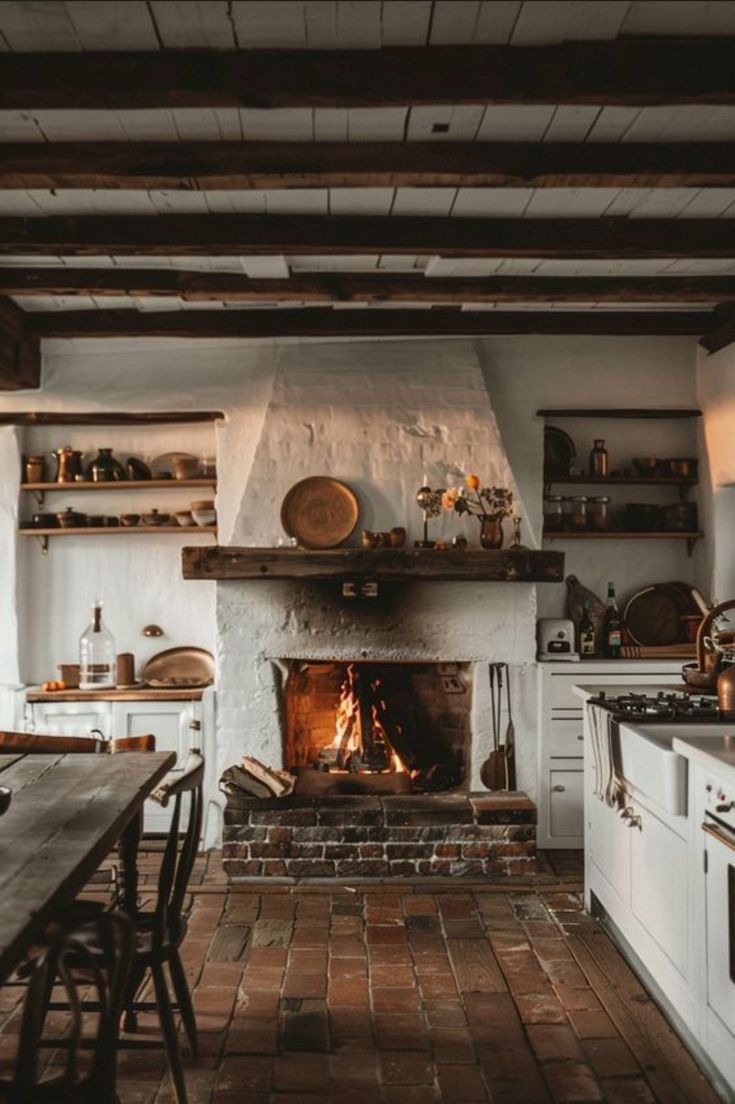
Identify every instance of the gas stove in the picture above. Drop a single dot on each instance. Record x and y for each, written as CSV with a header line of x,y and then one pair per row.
x,y
672,706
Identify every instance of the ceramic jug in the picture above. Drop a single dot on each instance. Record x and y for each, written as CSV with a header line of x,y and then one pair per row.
x,y
68,464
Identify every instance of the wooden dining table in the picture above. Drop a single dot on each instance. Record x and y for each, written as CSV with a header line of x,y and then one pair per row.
x,y
67,813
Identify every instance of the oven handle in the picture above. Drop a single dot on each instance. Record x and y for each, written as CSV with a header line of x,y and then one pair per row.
x,y
718,834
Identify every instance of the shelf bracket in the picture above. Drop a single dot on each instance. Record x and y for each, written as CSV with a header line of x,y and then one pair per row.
x,y
40,497
43,541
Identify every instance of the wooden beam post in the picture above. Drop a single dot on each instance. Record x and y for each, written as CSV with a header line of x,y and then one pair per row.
x,y
20,355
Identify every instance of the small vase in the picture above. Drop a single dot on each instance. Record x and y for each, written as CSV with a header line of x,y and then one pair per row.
x,y
491,532
105,468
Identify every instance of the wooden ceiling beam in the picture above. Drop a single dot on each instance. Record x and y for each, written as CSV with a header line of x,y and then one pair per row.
x,y
322,322
336,287
722,332
211,166
20,356
337,235
624,71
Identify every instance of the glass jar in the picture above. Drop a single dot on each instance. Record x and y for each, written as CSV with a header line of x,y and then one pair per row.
x,y
578,513
553,517
599,513
97,656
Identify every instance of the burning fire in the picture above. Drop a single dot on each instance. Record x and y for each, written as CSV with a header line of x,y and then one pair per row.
x,y
361,741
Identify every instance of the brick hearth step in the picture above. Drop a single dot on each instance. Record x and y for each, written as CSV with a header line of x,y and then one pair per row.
x,y
365,836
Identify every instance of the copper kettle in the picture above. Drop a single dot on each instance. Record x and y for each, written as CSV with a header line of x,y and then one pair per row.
x,y
726,693
68,464
704,674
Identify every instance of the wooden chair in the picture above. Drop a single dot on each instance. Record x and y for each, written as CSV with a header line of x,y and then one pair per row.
x,y
90,948
31,743
161,932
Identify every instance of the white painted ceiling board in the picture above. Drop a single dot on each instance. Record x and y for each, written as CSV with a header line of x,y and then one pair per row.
x,y
364,124
599,21
663,203
208,124
178,202
320,22
250,202
453,21
347,263
404,263
612,123
189,24
542,21
19,126
360,201
297,201
330,124
19,205
518,266
263,24
66,201
570,202
495,21
711,203
491,202
44,24
431,202
571,123
265,268
462,122
359,24
684,17
74,126
406,22
462,266
286,124
515,123
112,24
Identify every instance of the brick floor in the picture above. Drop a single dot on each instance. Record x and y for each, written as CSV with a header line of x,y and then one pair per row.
x,y
405,994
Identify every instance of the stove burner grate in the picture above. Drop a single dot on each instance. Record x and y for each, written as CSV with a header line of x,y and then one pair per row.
x,y
664,706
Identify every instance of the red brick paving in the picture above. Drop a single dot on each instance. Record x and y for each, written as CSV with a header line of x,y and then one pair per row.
x,y
385,994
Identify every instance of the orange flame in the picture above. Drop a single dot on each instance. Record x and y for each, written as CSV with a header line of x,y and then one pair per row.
x,y
347,722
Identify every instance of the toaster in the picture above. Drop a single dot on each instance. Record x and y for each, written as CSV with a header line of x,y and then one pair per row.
x,y
555,638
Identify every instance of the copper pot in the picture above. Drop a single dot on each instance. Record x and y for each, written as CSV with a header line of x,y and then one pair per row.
x,y
726,693
68,464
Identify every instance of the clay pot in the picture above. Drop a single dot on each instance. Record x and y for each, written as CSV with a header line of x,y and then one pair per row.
x,y
491,532
154,518
397,537
71,519
34,469
368,539
105,468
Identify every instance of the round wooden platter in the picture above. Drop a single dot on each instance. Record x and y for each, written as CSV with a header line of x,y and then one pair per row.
x,y
320,512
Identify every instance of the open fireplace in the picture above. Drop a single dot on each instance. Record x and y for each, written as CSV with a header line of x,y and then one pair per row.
x,y
377,727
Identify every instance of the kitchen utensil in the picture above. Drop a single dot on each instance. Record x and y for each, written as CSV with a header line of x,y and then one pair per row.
x,y
129,520
704,674
137,469
653,617
684,468
487,767
555,638
155,518
726,693
179,666
510,736
646,465
163,466
559,452
105,468
493,772
69,673
45,521
186,467
6,796
320,512
203,512
71,519
679,517
68,464
397,537
34,469
125,670
111,522
184,518
642,517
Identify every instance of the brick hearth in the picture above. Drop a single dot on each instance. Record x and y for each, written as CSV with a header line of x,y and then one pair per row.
x,y
379,837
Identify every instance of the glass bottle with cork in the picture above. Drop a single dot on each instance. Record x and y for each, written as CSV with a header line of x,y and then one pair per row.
x,y
97,658
599,460
587,640
613,628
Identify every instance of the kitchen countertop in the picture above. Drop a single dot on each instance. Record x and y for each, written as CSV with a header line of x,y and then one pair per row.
x,y
711,752
587,690
36,694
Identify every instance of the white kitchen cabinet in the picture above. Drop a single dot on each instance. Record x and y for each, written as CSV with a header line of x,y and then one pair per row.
x,y
69,718
561,741
659,883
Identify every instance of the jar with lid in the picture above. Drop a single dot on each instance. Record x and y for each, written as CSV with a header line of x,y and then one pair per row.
x,y
578,513
553,519
599,513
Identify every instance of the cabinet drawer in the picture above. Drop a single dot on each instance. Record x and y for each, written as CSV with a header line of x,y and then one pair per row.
x,y
566,817
564,738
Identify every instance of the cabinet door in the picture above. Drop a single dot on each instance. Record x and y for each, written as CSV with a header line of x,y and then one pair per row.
x,y
565,805
69,718
170,724
659,884
608,843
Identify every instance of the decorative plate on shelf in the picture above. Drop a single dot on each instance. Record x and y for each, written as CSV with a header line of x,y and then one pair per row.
x,y
320,512
559,452
653,616
182,667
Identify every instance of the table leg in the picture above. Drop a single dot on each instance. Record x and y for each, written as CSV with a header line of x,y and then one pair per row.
x,y
128,853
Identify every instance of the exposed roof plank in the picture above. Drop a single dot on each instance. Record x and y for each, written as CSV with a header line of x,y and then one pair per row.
x,y
303,235
217,165
722,332
20,357
233,287
321,322
623,72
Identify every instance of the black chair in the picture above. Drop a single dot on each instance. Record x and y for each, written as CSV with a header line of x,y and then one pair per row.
x,y
160,932
91,948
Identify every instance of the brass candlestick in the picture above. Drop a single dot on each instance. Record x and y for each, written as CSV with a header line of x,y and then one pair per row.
x,y
430,503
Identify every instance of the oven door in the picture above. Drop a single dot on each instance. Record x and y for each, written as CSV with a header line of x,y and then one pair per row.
x,y
720,851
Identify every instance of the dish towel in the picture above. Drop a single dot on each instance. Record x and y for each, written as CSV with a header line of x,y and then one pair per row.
x,y
606,784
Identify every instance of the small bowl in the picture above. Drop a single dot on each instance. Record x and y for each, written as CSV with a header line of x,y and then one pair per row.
x,y
186,467
646,465
95,522
184,518
6,796
203,504
154,518
111,523
204,517
129,520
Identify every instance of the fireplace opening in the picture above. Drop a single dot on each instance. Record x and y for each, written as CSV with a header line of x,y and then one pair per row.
x,y
367,727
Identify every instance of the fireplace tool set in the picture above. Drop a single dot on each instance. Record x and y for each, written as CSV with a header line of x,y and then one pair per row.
x,y
498,772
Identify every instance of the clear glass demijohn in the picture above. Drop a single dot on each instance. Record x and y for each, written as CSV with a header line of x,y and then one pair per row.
x,y
97,657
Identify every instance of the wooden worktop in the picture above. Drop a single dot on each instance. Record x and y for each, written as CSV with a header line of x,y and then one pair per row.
x,y
36,694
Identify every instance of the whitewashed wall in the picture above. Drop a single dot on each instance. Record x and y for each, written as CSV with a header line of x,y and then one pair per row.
x,y
294,409
716,389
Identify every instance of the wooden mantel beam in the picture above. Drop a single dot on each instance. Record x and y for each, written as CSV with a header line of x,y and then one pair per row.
x,y
20,357
338,287
273,165
324,322
623,71
303,235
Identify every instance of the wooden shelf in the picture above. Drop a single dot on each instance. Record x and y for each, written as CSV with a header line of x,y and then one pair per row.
x,y
631,412
143,693
623,480
389,565
117,530
121,485
620,535
97,417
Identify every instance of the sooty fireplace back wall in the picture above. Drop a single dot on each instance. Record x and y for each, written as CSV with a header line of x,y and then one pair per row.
x,y
378,727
